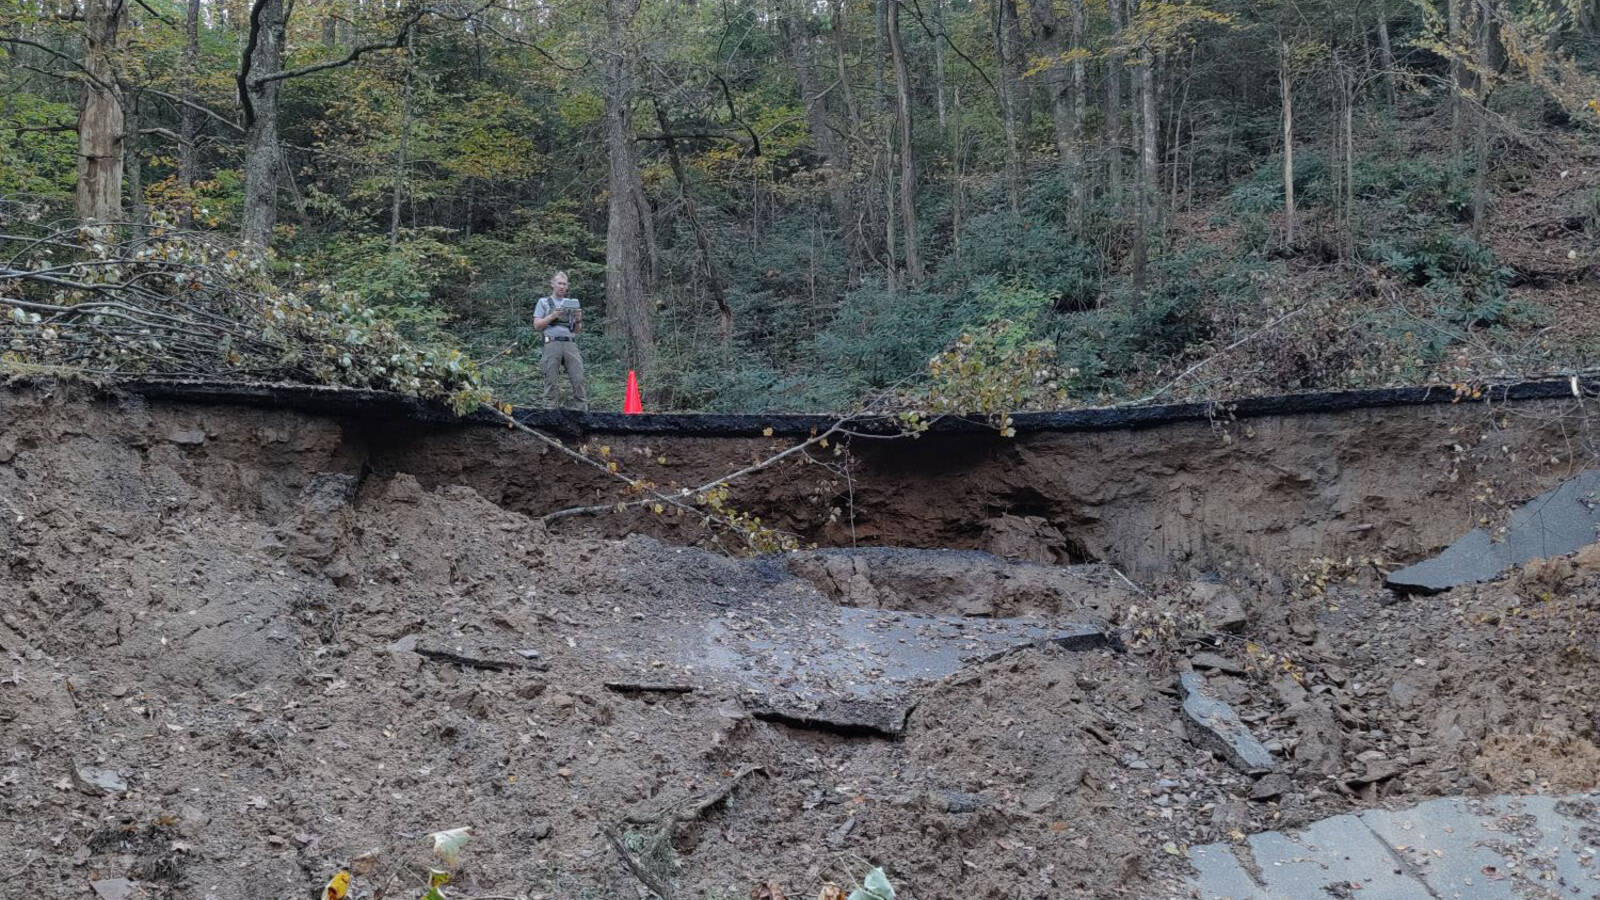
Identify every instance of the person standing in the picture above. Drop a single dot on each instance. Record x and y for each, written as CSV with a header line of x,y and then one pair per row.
x,y
560,322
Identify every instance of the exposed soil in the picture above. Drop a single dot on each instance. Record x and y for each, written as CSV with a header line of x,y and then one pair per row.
x,y
297,642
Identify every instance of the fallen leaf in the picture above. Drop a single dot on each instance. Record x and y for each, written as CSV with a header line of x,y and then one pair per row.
x,y
768,890
831,891
447,844
338,886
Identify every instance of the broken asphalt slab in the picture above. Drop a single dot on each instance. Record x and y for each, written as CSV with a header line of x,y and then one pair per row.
x,y
1554,523
1218,728
1495,848
857,670
793,656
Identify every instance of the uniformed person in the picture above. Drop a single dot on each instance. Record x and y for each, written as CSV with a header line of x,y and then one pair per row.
x,y
560,320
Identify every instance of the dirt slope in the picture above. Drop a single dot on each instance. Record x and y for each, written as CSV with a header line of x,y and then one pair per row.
x,y
225,608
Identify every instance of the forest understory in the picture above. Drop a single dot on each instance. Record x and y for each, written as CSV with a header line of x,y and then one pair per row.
x,y
775,207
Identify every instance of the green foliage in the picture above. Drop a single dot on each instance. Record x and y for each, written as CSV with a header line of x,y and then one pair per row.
x,y
406,275
1262,192
1103,345
875,886
1040,253
1461,279
34,161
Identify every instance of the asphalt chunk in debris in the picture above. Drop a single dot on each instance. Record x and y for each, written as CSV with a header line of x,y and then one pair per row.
x,y
1554,523
1217,728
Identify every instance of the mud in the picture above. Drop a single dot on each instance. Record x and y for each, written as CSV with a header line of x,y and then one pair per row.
x,y
299,641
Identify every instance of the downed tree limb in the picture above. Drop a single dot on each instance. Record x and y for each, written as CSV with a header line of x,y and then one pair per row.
x,y
692,809
645,878
710,485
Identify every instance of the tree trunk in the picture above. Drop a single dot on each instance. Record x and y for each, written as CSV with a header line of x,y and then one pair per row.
x,y
98,196
132,165
957,202
1111,132
908,170
1386,58
1286,94
938,63
702,242
401,162
627,303
1350,166
798,38
1008,113
1480,139
1058,85
1457,79
262,155
1015,56
1080,91
1145,185
188,117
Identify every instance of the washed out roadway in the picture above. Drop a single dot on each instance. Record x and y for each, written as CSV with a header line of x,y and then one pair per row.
x,y
1490,848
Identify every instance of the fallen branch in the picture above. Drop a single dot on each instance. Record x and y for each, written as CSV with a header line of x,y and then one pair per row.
x,y
639,872
710,485
1218,355
694,809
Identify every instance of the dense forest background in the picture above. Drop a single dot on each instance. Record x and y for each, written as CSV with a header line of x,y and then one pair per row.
x,y
776,204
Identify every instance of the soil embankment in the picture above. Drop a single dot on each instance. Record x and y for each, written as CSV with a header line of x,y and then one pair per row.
x,y
293,638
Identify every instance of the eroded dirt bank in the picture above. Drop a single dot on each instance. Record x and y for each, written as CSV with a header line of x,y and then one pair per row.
x,y
1385,484
256,620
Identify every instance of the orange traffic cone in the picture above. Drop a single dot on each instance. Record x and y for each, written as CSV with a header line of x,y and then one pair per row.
x,y
631,405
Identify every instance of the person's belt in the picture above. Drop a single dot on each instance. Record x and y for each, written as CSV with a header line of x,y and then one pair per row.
x,y
551,337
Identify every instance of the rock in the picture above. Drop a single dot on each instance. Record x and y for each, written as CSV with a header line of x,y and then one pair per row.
x,y
407,644
115,889
187,437
1274,785
1289,691
8,449
1377,770
1231,815
1026,539
99,782
1222,608
1217,727
1555,523
1214,661
1403,693
327,491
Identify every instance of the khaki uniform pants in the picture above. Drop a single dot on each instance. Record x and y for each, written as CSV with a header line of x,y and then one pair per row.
x,y
558,355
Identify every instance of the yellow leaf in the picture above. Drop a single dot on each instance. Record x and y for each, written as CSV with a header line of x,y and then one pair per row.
x,y
338,886
767,431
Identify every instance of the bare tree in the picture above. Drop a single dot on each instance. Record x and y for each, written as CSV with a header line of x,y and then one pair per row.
x,y
1286,95
263,57
1059,87
188,116
1111,131
101,121
627,300
908,170
794,26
